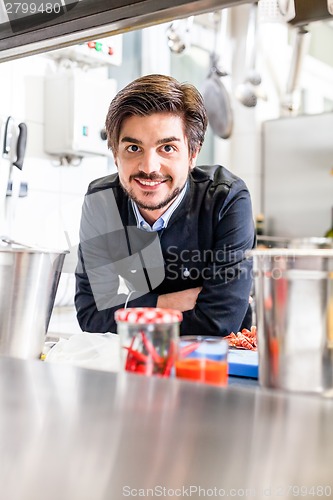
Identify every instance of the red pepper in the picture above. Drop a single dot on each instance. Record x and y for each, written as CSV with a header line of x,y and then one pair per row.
x,y
151,349
129,358
170,360
145,369
136,361
139,356
150,363
131,365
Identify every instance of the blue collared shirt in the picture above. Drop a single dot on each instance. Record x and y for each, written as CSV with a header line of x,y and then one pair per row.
x,y
162,221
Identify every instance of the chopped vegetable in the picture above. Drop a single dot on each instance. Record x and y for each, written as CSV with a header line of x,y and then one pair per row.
x,y
246,339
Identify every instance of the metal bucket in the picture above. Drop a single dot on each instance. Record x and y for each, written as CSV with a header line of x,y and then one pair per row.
x,y
294,307
29,280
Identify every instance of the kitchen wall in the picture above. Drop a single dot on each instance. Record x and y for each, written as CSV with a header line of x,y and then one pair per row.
x,y
298,180
49,215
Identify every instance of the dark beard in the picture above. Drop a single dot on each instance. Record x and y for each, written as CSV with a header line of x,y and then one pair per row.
x,y
147,206
160,205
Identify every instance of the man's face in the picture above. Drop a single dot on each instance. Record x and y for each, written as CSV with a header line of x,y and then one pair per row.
x,y
153,160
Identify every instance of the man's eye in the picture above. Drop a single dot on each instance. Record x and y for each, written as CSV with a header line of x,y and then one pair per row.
x,y
168,148
133,148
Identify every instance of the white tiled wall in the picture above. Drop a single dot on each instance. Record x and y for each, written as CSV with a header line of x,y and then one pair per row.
x,y
49,216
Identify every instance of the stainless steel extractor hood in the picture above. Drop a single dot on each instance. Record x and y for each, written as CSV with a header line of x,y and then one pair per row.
x,y
308,11
33,27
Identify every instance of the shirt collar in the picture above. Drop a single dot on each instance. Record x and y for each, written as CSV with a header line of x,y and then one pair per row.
x,y
162,221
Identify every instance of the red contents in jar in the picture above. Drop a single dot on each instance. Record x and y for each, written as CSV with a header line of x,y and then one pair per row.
x,y
203,370
146,360
152,349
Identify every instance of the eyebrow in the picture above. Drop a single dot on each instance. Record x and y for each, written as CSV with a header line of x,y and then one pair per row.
x,y
130,139
160,141
168,139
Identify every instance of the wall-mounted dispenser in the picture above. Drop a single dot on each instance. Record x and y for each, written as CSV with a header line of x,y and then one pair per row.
x,y
75,107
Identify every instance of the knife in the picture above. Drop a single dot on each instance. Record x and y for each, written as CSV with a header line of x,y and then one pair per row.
x,y
16,152
7,136
21,145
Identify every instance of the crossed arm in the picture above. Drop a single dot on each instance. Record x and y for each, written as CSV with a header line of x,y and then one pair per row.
x,y
184,300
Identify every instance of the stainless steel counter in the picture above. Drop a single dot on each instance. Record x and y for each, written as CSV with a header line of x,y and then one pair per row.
x,y
68,433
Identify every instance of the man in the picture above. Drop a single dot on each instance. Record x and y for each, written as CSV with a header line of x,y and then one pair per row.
x,y
163,232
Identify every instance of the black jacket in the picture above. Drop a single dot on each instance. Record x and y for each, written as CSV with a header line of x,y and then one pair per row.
x,y
204,244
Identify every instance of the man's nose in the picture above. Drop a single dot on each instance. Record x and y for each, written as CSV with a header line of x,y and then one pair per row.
x,y
150,162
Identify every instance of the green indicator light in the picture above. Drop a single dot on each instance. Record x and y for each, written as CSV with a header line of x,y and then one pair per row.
x,y
98,46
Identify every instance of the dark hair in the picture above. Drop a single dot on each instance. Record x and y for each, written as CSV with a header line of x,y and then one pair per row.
x,y
158,94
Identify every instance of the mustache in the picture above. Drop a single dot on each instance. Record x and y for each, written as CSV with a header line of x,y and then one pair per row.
x,y
150,177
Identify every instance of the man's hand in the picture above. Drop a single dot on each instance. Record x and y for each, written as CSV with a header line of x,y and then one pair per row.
x,y
183,301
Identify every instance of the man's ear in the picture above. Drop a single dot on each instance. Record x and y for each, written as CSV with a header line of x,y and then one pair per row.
x,y
193,159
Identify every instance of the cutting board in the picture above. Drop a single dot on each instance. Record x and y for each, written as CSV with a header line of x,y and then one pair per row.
x,y
243,363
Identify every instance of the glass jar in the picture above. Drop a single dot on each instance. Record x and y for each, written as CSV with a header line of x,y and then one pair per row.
x,y
203,359
148,339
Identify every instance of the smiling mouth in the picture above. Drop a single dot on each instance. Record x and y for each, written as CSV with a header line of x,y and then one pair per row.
x,y
150,183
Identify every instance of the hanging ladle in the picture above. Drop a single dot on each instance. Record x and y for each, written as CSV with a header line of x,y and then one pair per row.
x,y
247,93
216,97
178,35
300,48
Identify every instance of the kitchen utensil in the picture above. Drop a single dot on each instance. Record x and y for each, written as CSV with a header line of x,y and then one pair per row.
x,y
300,48
243,363
13,144
16,157
294,303
7,130
247,93
178,35
215,95
330,6
29,279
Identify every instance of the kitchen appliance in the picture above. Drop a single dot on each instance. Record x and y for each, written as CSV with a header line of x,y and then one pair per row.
x,y
75,105
29,31
29,279
294,307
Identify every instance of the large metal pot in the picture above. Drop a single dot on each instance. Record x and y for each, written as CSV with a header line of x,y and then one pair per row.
x,y
29,279
294,306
